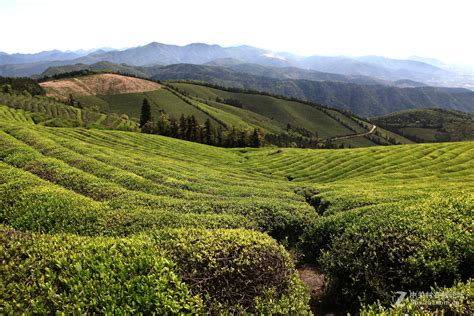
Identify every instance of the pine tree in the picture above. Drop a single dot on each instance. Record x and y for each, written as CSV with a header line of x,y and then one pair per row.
x,y
174,128
232,138
192,131
220,136
182,127
145,115
243,139
208,133
257,138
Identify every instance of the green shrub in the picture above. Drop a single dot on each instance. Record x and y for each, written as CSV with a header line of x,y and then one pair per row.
x,y
401,248
220,271
44,274
29,203
235,269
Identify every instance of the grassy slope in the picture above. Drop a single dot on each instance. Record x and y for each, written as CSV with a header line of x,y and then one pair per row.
x,y
282,111
193,170
110,183
431,125
130,104
269,113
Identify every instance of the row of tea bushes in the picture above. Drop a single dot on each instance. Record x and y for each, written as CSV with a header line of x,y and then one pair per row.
x,y
170,271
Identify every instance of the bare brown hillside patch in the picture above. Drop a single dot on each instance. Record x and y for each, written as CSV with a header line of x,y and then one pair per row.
x,y
99,84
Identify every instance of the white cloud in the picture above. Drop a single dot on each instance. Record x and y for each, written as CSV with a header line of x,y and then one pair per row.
x,y
440,29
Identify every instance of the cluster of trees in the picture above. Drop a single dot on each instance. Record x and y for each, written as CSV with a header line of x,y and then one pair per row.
x,y
233,102
297,141
20,85
69,74
188,128
73,102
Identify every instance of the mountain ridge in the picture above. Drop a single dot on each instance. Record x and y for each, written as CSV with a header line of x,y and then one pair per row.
x,y
200,53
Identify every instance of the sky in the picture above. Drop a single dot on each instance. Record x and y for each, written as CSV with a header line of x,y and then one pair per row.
x,y
397,29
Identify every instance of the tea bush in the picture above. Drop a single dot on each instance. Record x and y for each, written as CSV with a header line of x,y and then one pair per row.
x,y
44,274
235,269
401,247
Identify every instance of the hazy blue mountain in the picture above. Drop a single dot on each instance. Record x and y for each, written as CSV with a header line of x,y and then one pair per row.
x,y
52,55
197,53
430,61
380,69
298,73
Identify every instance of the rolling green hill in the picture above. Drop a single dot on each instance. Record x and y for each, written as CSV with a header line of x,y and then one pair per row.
x,y
119,222
288,120
365,98
430,125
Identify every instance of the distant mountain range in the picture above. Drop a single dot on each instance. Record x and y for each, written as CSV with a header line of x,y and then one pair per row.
x,y
378,68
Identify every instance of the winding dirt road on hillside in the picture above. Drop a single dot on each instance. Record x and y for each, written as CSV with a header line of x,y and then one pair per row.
x,y
372,130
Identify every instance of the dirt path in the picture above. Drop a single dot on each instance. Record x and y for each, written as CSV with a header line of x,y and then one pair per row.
x,y
313,278
372,130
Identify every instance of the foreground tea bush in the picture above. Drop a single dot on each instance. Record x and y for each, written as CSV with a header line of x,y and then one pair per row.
x,y
236,269
400,248
207,271
44,274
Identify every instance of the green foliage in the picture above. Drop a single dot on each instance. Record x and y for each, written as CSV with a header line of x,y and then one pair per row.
x,y
410,205
401,247
188,128
44,274
21,85
145,115
430,125
233,268
48,112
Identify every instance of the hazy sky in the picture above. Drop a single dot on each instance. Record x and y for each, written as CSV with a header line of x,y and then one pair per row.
x,y
396,28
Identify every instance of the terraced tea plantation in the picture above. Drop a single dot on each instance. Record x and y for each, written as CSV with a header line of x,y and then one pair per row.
x,y
46,111
103,221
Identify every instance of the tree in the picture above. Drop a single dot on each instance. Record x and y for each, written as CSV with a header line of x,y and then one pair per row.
x,y
257,138
145,115
220,136
149,128
174,128
192,131
243,139
208,132
232,138
183,127
6,88
163,124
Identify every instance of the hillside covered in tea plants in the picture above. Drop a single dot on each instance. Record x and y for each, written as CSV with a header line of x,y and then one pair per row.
x,y
284,121
107,221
